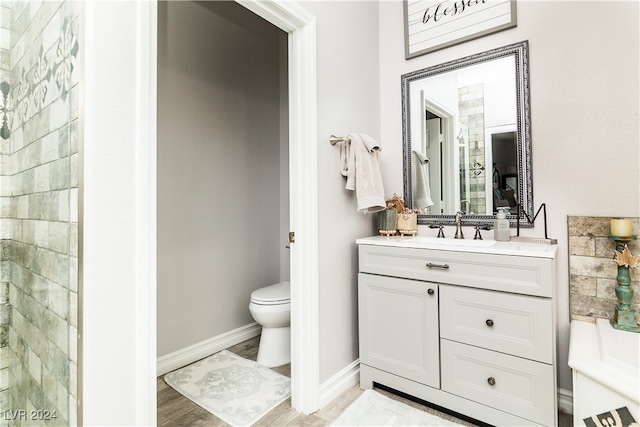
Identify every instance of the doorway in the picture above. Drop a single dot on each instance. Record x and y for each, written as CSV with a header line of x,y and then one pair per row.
x,y
218,134
222,199
502,148
438,146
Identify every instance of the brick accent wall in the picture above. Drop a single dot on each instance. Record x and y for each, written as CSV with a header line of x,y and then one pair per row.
x,y
593,271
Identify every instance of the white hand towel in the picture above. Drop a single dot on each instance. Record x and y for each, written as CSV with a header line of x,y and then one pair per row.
x,y
360,163
421,188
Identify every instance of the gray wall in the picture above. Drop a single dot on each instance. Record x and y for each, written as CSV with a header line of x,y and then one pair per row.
x,y
348,101
222,168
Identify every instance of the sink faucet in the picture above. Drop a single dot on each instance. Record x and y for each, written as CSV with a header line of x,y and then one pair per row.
x,y
458,219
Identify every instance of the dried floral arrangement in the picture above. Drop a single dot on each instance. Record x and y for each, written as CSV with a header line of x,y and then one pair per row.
x,y
397,202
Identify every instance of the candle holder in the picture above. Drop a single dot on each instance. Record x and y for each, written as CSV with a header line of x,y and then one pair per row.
x,y
624,318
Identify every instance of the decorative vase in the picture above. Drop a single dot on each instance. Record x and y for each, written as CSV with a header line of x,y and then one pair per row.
x,y
407,224
387,222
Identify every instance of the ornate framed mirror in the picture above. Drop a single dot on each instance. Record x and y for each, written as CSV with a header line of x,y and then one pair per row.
x,y
467,138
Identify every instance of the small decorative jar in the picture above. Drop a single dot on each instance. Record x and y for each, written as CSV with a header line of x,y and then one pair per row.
x,y
407,223
387,222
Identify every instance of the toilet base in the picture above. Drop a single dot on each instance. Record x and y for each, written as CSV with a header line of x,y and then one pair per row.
x,y
275,347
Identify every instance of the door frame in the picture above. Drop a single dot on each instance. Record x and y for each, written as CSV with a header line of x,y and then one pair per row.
x,y
451,186
300,25
488,154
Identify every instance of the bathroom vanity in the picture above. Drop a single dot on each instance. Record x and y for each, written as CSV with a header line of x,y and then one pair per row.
x,y
467,325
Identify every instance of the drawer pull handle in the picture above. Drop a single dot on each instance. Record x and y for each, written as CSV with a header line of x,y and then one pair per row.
x,y
431,291
432,265
491,381
489,322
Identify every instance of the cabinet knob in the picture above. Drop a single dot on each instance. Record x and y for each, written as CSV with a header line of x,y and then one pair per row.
x,y
491,381
431,291
489,322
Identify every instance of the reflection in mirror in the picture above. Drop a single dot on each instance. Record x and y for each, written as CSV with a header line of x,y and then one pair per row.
x,y
467,139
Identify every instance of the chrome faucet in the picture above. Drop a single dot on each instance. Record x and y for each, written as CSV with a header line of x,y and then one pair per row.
x,y
458,219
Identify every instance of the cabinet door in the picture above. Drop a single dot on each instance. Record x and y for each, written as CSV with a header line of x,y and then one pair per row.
x,y
398,324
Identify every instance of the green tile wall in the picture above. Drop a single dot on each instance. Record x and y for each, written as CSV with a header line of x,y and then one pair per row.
x,y
38,206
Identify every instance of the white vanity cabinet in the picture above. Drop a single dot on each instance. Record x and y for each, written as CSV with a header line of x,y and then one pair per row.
x,y
471,329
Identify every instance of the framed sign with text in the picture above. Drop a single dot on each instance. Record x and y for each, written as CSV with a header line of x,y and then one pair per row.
x,y
435,24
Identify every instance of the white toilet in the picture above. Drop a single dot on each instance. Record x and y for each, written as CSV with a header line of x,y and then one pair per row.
x,y
271,307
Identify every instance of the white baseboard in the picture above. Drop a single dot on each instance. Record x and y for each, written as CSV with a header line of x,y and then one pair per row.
x,y
565,401
187,355
339,383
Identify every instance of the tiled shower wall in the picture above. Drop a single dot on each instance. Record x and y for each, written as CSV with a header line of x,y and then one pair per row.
x,y
593,271
38,190
5,309
471,110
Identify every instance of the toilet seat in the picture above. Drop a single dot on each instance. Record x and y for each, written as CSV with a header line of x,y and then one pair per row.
x,y
277,294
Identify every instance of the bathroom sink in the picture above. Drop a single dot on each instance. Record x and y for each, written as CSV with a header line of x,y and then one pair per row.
x,y
470,243
462,245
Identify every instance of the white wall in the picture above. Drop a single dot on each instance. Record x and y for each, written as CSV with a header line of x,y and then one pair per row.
x,y
117,215
221,194
584,107
348,101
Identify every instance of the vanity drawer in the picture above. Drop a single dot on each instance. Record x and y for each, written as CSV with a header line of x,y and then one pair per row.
x,y
514,324
516,274
504,382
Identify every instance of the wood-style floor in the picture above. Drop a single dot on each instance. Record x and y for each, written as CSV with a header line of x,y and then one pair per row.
x,y
175,410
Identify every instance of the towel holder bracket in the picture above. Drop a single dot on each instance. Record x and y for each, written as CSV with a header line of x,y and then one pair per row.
x,y
333,140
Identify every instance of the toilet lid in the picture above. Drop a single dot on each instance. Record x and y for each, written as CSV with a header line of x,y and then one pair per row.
x,y
272,294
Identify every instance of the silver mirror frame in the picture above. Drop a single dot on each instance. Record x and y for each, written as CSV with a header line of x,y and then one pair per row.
x,y
520,51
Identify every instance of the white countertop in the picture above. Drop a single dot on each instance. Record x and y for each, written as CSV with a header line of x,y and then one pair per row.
x,y
487,246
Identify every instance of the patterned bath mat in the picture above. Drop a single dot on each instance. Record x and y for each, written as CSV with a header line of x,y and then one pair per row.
x,y
234,389
375,409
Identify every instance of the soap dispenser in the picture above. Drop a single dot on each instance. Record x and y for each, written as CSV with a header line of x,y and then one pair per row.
x,y
501,232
